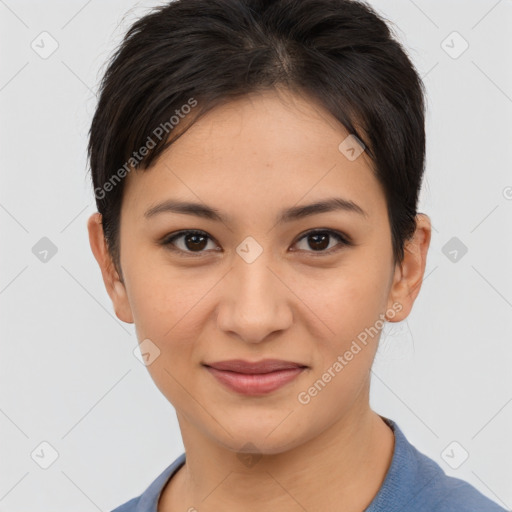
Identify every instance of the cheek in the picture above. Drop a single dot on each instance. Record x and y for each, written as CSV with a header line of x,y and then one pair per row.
x,y
350,304
169,309
167,312
161,298
347,300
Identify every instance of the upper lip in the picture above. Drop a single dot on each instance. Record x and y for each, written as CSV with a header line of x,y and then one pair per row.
x,y
263,366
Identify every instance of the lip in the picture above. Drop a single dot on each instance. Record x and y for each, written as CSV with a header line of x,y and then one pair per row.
x,y
262,366
255,378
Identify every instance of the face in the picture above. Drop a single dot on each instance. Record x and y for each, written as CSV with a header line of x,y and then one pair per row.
x,y
313,287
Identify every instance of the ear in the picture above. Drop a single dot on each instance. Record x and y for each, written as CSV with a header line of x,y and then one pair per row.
x,y
409,273
113,284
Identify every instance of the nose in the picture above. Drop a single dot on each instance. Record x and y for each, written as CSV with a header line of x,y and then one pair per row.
x,y
255,301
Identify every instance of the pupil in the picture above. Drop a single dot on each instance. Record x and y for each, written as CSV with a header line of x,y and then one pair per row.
x,y
322,244
195,244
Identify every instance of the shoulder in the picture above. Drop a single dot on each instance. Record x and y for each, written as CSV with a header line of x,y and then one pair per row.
x,y
148,500
436,491
455,495
416,483
129,506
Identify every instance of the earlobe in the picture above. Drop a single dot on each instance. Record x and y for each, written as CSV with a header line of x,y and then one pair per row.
x,y
409,274
120,301
113,284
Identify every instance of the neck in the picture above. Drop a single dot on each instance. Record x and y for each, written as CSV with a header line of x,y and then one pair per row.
x,y
342,469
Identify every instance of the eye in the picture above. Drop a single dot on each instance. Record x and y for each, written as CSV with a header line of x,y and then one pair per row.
x,y
189,241
319,241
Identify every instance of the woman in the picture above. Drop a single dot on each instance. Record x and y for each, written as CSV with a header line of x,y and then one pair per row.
x,y
256,168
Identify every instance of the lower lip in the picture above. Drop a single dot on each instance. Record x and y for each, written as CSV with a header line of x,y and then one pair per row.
x,y
252,383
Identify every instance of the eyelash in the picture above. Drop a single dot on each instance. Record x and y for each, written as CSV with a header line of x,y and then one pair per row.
x,y
342,239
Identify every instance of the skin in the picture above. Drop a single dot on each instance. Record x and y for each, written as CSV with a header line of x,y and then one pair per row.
x,y
250,159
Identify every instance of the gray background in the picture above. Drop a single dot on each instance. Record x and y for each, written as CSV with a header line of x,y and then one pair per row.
x,y
69,376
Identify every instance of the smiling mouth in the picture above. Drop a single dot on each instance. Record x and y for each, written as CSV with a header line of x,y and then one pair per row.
x,y
255,367
255,378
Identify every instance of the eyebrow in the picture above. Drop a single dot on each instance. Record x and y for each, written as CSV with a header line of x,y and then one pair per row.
x,y
288,215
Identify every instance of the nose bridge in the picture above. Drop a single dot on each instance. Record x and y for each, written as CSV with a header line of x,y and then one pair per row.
x,y
255,304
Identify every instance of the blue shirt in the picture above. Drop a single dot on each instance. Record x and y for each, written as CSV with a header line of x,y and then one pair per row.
x,y
413,483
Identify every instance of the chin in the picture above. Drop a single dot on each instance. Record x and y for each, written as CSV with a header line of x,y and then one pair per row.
x,y
259,440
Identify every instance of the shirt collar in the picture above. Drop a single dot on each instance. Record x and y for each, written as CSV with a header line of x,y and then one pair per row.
x,y
397,492
149,498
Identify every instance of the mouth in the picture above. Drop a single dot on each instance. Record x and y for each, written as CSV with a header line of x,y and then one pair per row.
x,y
255,378
257,367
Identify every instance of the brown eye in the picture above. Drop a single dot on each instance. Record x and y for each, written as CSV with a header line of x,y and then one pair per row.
x,y
188,241
193,242
320,241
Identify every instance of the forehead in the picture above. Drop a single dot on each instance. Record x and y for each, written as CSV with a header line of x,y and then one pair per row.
x,y
256,154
